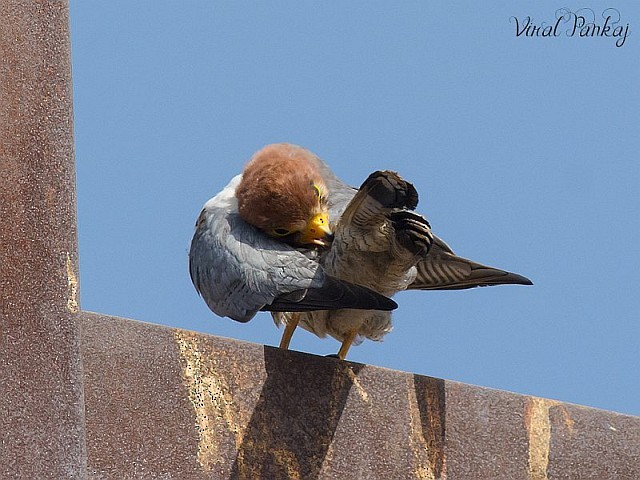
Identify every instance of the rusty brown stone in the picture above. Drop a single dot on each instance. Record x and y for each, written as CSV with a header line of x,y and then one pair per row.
x,y
167,403
41,411
137,408
593,442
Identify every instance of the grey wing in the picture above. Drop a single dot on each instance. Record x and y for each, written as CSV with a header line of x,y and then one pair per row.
x,y
442,269
238,270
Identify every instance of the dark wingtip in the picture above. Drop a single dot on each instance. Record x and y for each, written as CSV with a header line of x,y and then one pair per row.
x,y
517,279
333,295
388,304
391,190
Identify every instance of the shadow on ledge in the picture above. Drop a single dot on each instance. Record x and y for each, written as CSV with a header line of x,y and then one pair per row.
x,y
295,419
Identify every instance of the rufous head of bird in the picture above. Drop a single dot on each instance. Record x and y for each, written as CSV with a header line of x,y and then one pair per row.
x,y
283,194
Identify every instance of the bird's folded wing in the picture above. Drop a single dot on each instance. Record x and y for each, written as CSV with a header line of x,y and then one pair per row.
x,y
334,294
441,269
238,270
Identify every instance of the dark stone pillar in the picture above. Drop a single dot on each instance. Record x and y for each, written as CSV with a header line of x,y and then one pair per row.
x,y
41,401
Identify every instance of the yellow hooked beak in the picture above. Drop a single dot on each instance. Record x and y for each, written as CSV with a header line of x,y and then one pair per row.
x,y
317,231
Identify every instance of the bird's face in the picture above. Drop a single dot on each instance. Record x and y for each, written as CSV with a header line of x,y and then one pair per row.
x,y
283,194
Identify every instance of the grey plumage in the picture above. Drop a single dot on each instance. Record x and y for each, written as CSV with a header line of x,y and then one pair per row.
x,y
238,270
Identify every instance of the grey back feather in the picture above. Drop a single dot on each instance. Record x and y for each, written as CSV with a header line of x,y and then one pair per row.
x,y
237,269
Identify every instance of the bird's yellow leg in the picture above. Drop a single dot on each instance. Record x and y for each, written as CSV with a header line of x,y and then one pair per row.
x,y
288,330
346,344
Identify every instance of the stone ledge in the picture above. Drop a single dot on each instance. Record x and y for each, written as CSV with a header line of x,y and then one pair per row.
x,y
169,403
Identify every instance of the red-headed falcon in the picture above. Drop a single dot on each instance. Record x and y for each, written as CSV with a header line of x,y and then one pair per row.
x,y
287,236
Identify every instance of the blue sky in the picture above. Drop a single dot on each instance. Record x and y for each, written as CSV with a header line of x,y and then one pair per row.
x,y
524,151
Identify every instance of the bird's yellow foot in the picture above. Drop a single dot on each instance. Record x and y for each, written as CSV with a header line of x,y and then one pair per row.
x,y
346,344
288,330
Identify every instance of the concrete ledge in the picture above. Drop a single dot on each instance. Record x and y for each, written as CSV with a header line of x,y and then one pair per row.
x,y
168,403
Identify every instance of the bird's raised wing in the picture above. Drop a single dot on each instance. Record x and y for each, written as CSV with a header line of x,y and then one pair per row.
x,y
363,212
378,238
239,270
365,224
442,269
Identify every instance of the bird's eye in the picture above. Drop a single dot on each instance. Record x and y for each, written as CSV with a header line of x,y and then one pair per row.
x,y
280,232
318,191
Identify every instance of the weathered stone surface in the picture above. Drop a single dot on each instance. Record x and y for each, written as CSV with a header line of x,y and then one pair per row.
x,y
41,411
167,403
137,408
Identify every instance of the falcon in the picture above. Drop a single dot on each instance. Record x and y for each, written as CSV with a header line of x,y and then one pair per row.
x,y
287,236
